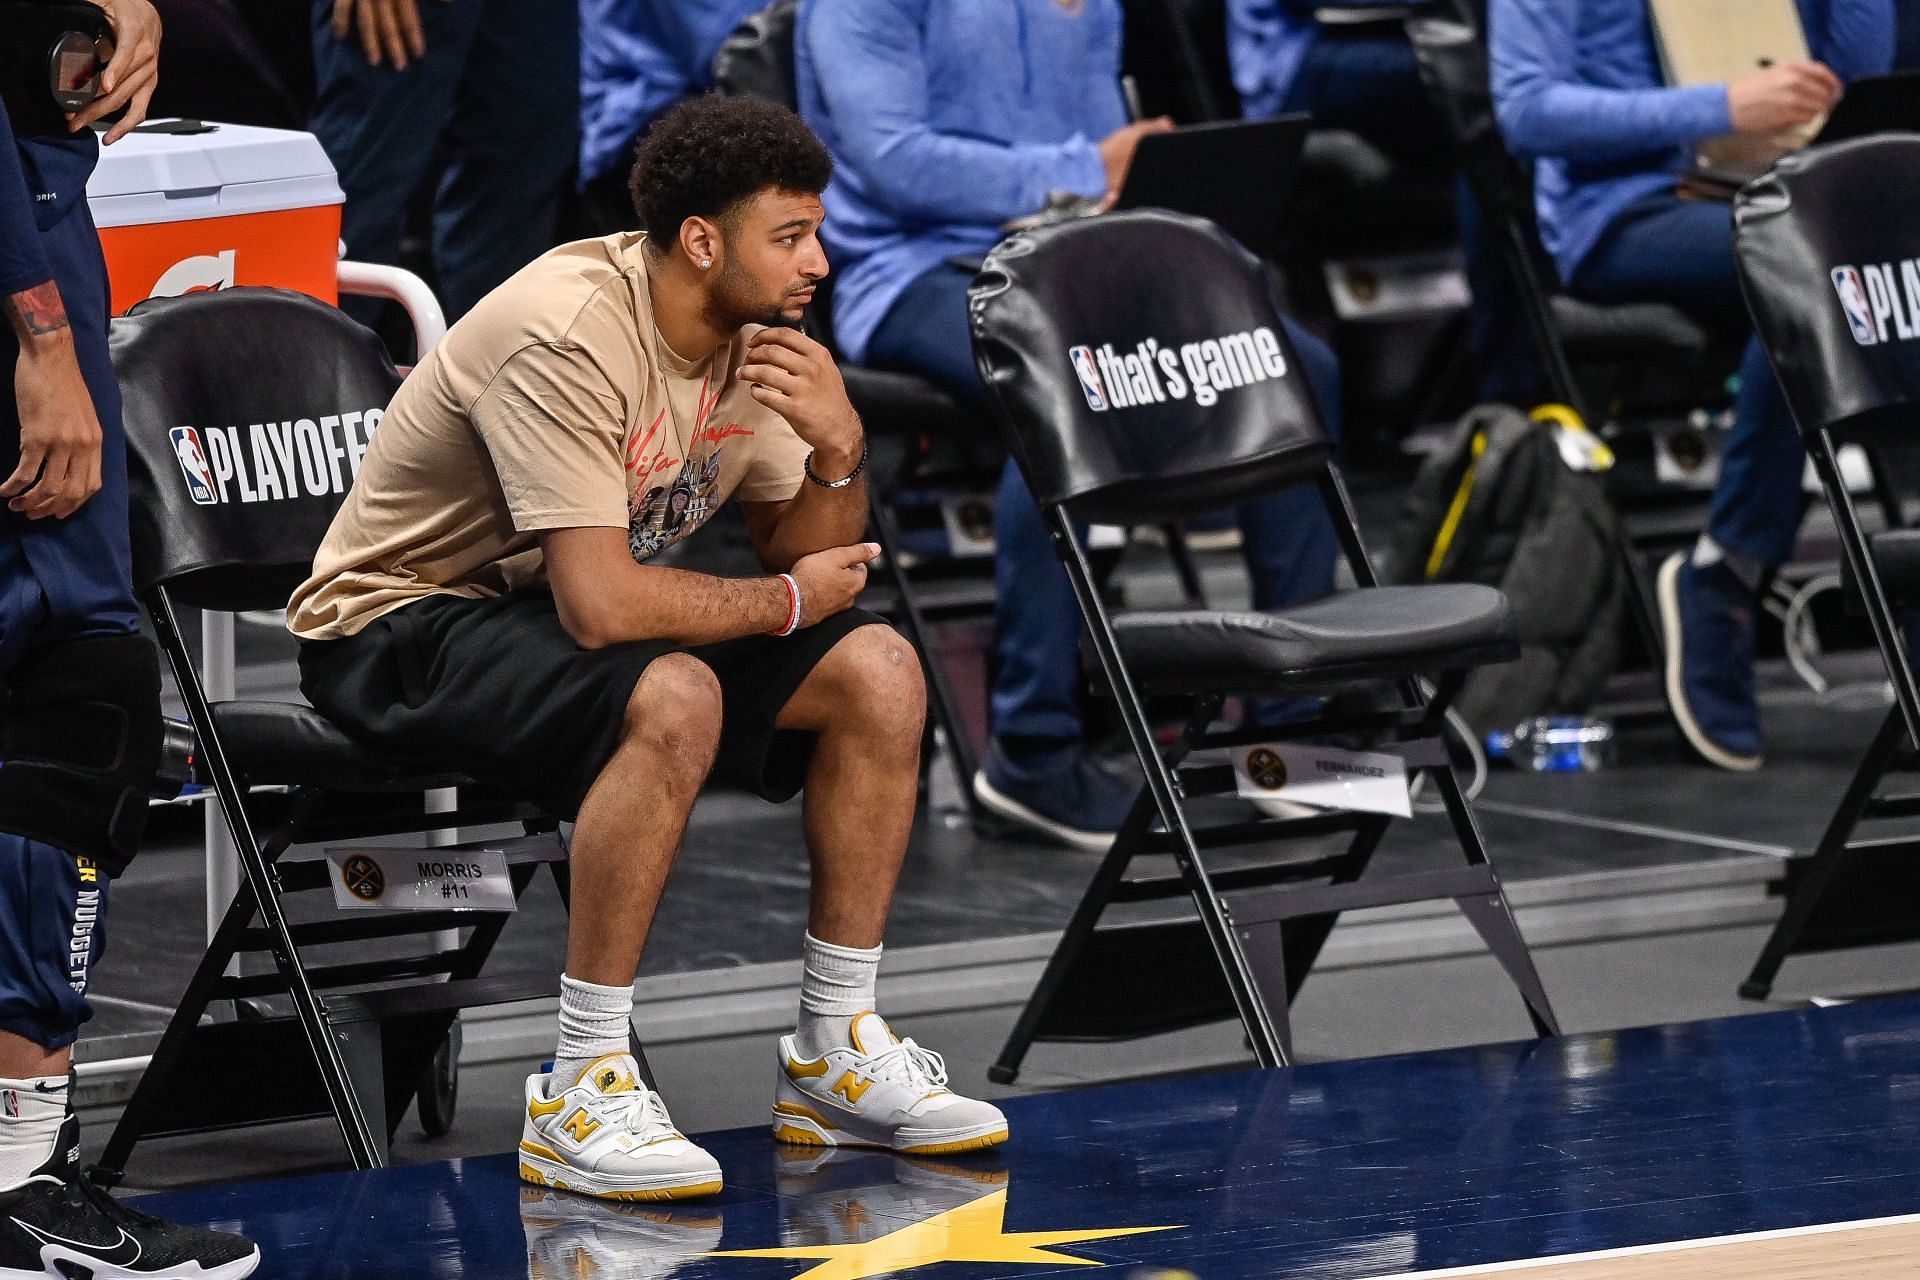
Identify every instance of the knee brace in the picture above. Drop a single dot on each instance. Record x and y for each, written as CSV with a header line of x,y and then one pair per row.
x,y
79,743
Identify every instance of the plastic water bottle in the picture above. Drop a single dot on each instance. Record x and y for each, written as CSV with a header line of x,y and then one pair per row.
x,y
1563,744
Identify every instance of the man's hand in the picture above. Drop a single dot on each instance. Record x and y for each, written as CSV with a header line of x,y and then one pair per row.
x,y
389,29
1117,148
795,376
830,580
132,72
59,431
1783,96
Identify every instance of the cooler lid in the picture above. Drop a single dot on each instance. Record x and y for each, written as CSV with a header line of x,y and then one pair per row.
x,y
170,171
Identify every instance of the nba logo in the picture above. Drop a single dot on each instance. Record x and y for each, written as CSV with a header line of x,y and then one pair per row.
x,y
10,1104
1853,301
1089,372
193,465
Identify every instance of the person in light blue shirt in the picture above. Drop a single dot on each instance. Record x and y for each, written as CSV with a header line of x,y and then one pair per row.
x,y
1361,75
1578,86
637,58
946,119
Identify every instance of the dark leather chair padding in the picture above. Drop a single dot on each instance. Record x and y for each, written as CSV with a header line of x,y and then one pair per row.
x,y
287,743
1627,330
1411,629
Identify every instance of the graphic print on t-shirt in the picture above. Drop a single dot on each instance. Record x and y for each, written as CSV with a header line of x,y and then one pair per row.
x,y
660,512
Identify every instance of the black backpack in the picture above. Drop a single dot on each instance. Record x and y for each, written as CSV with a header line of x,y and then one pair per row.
x,y
1500,505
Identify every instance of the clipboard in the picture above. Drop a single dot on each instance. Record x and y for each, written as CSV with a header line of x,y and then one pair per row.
x,y
1718,41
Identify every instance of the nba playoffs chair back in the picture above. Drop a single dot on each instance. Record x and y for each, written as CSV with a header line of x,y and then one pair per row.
x,y
1829,256
247,414
1139,367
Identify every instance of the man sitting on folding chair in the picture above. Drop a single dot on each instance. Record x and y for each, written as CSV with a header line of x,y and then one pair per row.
x,y
483,599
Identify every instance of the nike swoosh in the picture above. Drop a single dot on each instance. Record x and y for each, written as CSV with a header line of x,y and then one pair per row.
x,y
110,1255
38,1087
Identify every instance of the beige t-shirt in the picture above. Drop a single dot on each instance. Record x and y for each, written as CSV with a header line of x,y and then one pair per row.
x,y
554,404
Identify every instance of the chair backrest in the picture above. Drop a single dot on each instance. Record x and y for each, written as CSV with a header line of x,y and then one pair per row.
x,y
1138,363
1451,49
1176,52
1829,258
247,413
756,61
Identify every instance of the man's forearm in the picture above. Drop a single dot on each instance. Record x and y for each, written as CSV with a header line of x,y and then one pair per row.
x,y
37,315
656,603
819,518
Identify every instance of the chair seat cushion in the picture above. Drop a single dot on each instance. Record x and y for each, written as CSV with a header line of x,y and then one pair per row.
x,y
1896,553
290,744
1372,633
890,403
1627,330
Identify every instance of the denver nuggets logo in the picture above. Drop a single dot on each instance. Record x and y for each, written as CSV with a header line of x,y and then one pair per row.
x,y
364,878
1266,769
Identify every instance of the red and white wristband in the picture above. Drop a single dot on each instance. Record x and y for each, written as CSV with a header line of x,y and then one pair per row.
x,y
793,607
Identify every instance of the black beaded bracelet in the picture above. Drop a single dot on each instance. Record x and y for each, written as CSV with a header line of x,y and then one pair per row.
x,y
806,469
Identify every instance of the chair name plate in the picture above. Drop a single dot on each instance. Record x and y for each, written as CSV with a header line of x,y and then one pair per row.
x,y
1326,777
420,879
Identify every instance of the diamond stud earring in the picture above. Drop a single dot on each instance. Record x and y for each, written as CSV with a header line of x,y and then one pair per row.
x,y
705,263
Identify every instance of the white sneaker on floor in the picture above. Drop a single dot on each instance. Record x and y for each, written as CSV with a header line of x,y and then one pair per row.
x,y
608,1135
882,1092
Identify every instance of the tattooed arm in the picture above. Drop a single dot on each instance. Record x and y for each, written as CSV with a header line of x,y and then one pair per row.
x,y
59,431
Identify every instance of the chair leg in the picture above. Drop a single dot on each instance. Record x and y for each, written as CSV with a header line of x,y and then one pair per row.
x,y
945,707
1827,856
1099,891
1184,567
1490,915
363,1147
134,1119
1247,1000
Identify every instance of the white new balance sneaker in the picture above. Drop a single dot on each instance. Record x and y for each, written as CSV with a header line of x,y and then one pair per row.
x,y
882,1092
608,1135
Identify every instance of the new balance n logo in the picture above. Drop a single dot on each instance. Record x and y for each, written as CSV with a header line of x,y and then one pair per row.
x,y
851,1088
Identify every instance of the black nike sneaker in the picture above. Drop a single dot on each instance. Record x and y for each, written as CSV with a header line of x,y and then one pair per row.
x,y
59,1225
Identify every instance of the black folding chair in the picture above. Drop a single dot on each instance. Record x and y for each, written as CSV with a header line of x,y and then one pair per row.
x,y
1826,242
247,411
1108,442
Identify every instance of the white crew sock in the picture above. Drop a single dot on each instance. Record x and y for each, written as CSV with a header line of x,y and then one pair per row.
x,y
31,1112
1707,552
835,988
593,1023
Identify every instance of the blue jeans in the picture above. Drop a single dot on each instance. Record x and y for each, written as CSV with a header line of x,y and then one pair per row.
x,y
496,101
1289,543
60,580
1680,252
1368,82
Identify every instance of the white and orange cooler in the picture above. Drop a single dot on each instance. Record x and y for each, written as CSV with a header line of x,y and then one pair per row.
x,y
227,205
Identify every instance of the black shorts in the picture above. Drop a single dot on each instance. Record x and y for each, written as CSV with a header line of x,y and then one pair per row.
x,y
498,690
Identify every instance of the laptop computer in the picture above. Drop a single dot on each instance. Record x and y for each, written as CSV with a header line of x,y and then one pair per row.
x,y
1875,104
1234,173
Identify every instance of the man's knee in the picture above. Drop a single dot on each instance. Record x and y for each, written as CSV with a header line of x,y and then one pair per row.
x,y
875,675
675,710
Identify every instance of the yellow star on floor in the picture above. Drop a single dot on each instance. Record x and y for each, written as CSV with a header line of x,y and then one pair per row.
x,y
970,1233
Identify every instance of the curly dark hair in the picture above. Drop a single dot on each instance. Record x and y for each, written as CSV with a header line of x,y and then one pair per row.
x,y
708,155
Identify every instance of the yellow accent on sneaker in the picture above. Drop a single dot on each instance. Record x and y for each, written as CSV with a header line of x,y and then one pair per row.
x,y
806,1070
540,1109
533,1148
949,1148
